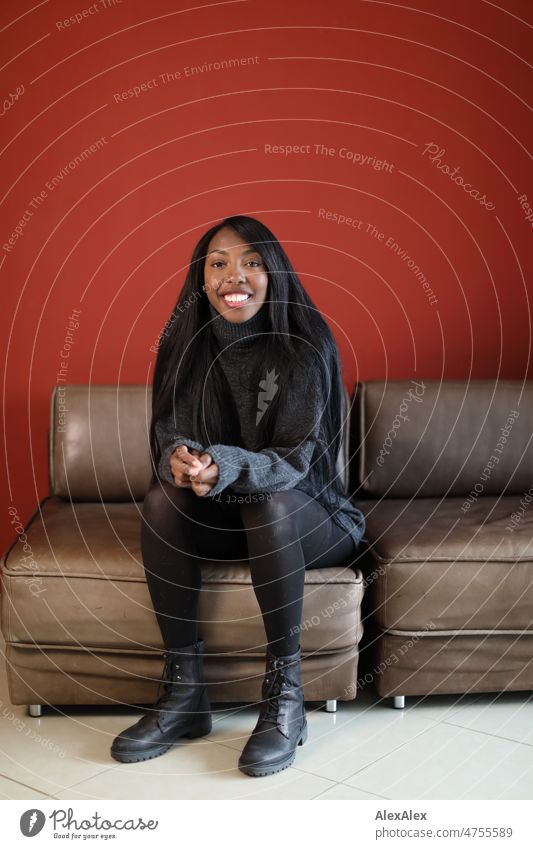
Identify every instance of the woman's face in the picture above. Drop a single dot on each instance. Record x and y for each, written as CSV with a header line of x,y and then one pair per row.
x,y
233,268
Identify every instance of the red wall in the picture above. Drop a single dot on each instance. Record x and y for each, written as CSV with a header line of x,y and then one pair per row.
x,y
113,236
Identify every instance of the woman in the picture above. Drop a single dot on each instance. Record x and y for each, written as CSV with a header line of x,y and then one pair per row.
x,y
247,400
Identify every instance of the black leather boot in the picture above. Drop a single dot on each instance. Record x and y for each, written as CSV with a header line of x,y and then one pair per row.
x,y
282,724
183,709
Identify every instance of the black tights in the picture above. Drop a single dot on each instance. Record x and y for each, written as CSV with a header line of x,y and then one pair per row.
x,y
280,536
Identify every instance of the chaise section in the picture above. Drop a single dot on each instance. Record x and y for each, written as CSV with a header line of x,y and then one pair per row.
x,y
450,582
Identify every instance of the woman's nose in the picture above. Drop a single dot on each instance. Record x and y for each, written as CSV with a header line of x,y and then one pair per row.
x,y
235,276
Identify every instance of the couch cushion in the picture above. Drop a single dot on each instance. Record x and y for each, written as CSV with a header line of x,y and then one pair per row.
x,y
427,438
99,442
458,570
85,584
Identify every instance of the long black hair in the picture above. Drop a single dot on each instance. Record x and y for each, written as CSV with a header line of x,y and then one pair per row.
x,y
187,360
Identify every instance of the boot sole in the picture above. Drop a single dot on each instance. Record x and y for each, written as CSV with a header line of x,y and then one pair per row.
x,y
199,730
258,771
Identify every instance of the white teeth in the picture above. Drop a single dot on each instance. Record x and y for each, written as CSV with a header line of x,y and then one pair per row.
x,y
236,298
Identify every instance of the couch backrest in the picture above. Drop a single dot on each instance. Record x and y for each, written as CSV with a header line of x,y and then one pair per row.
x,y
99,442
436,438
99,437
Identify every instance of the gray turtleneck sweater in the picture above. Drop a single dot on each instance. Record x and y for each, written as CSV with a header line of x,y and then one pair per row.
x,y
243,471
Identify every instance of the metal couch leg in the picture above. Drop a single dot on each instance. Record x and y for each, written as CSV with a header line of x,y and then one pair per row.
x,y
331,705
398,701
35,710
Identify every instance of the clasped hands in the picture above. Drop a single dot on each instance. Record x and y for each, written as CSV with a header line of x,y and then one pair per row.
x,y
191,469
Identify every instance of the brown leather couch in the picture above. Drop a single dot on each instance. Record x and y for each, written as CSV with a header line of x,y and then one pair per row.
x,y
444,474
76,613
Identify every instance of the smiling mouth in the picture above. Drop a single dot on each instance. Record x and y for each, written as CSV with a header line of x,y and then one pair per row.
x,y
237,300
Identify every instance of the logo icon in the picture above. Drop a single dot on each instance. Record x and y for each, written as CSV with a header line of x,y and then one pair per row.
x,y
269,389
32,822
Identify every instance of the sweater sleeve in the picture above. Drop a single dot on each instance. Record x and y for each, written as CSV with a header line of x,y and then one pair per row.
x,y
283,465
169,437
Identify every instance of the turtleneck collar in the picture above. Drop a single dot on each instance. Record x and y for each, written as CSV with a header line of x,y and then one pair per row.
x,y
238,334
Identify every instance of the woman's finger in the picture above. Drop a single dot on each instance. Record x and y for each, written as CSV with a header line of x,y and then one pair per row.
x,y
201,488
183,455
204,462
207,475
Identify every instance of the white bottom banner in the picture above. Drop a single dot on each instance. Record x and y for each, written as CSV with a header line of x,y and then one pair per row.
x,y
269,823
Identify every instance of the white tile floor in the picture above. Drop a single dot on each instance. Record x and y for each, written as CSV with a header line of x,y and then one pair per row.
x,y
440,747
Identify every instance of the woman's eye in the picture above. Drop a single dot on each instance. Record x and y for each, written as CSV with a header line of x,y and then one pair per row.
x,y
218,262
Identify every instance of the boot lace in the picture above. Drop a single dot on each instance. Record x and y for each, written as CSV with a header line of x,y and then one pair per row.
x,y
277,681
166,684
